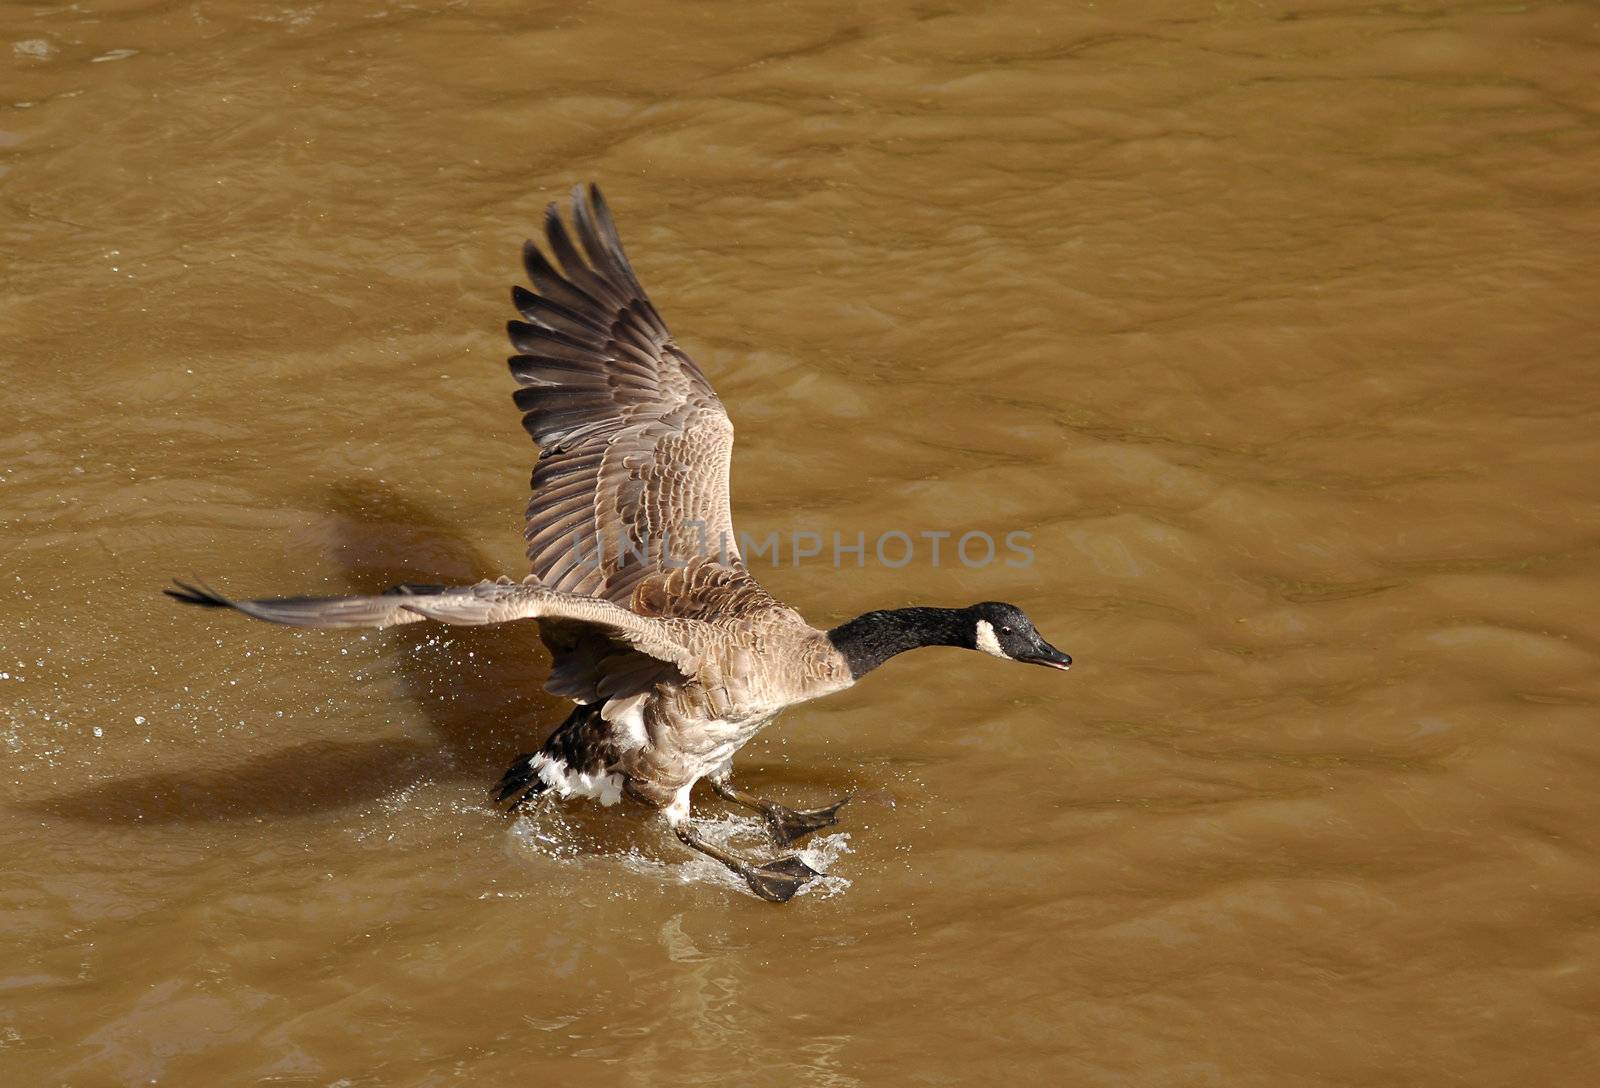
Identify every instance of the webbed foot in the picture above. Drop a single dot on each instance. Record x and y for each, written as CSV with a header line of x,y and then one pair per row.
x,y
787,825
777,881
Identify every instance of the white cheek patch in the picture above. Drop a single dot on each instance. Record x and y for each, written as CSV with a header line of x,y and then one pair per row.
x,y
988,643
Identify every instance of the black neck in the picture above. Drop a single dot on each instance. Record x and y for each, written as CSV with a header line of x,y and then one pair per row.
x,y
868,641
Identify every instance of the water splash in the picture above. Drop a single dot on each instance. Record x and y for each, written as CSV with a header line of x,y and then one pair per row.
x,y
553,833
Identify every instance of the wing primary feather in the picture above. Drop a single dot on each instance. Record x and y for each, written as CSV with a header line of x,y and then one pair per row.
x,y
534,339
536,369
605,229
574,267
601,255
552,314
376,611
550,282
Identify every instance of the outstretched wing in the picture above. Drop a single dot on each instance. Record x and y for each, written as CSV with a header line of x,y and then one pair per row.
x,y
597,621
634,444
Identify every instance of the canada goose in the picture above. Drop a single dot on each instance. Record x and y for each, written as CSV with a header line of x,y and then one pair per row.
x,y
673,653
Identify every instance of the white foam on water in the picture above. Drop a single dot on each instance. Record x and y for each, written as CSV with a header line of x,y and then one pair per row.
x,y
543,831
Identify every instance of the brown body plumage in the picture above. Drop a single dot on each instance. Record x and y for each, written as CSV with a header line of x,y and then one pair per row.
x,y
673,653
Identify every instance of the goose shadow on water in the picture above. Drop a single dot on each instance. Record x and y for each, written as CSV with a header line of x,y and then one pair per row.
x,y
480,688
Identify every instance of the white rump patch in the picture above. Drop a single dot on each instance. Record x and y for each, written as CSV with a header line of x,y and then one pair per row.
x,y
602,787
628,716
988,643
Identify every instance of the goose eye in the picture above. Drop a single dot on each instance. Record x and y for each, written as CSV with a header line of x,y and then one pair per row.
x,y
1005,630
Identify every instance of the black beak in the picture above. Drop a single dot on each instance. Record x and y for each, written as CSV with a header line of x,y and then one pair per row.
x,y
1050,656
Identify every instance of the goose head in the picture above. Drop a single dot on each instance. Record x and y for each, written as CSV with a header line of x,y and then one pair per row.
x,y
994,627
1004,630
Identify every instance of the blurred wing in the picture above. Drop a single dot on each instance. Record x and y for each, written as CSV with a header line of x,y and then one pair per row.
x,y
484,603
634,444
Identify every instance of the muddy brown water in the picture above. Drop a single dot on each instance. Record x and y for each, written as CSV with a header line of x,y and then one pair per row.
x,y
1273,324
